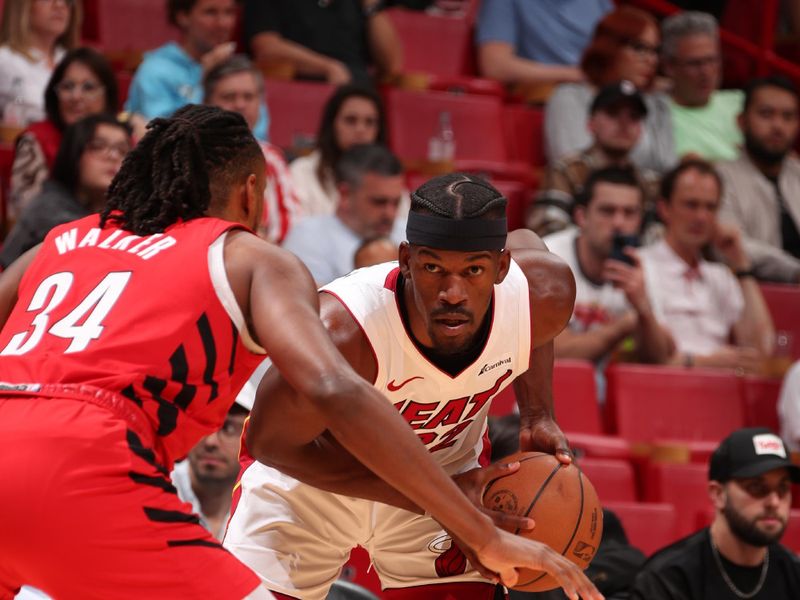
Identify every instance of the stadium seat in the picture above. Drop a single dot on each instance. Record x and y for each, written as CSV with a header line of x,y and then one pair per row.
x,y
524,131
127,25
296,109
760,401
783,302
685,486
575,397
648,526
599,446
647,403
477,127
438,45
613,479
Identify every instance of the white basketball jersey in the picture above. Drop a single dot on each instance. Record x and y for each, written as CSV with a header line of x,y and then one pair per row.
x,y
447,412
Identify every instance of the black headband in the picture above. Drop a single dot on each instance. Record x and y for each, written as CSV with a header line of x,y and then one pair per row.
x,y
466,235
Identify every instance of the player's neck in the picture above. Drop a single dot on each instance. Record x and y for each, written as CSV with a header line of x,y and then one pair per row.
x,y
733,548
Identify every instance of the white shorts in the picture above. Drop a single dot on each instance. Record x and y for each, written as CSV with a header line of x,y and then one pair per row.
x,y
297,538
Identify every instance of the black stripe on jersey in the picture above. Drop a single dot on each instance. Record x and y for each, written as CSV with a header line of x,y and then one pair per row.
x,y
159,515
131,395
233,348
146,454
167,411
180,373
207,337
159,482
197,542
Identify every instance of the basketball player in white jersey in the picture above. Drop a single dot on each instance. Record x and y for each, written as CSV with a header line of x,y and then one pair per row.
x,y
467,311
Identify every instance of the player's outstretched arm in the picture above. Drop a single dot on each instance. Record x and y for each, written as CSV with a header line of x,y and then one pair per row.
x,y
9,282
277,295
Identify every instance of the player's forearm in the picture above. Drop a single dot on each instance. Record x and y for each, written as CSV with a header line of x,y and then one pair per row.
x,y
534,388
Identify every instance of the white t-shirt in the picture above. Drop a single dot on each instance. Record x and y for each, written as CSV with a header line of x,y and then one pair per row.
x,y
23,81
698,306
595,303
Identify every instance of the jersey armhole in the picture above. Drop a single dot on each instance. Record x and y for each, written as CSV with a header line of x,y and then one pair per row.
x,y
219,279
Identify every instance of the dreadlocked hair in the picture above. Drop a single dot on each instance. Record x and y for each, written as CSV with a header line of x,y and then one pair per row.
x,y
179,168
459,196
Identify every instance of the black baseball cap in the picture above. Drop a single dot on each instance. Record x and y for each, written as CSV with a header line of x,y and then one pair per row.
x,y
619,93
749,453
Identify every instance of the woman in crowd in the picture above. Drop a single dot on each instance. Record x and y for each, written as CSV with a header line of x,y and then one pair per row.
x,y
33,38
353,115
89,157
82,84
625,46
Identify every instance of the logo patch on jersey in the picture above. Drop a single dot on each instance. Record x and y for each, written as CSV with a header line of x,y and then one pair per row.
x,y
393,387
489,366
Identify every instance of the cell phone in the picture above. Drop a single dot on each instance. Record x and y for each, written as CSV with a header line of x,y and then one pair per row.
x,y
621,241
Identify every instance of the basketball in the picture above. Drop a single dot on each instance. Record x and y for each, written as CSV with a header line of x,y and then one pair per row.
x,y
563,503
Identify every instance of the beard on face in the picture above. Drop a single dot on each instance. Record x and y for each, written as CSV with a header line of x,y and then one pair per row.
x,y
748,531
761,153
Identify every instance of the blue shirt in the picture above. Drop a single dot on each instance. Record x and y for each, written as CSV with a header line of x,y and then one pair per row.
x,y
552,32
168,79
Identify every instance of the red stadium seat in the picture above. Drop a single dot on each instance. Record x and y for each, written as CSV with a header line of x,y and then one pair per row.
x,y
599,446
613,479
761,401
575,397
413,118
783,302
438,45
648,526
124,79
296,110
524,130
127,25
647,403
685,486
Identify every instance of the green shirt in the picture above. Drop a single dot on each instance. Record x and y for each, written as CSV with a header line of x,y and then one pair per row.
x,y
711,130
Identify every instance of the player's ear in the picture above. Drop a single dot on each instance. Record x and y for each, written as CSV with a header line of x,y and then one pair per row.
x,y
404,256
504,264
251,201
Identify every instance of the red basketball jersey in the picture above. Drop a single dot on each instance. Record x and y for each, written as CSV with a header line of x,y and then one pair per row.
x,y
151,318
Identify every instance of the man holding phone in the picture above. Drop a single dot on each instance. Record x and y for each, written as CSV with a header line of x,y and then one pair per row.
x,y
611,304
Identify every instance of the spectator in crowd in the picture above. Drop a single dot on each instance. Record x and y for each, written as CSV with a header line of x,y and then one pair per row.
x,y
615,122
371,186
353,115
540,42
171,76
82,84
207,476
236,84
739,556
611,301
703,117
789,408
88,159
705,305
375,251
625,46
33,38
762,185
337,42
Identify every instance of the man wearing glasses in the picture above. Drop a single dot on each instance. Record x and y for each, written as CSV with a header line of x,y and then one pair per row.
x,y
739,556
703,117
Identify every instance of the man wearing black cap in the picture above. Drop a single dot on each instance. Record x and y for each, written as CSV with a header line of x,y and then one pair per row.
x,y
615,122
467,310
739,556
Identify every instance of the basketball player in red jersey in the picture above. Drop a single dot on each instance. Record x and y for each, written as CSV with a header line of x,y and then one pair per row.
x,y
468,310
126,337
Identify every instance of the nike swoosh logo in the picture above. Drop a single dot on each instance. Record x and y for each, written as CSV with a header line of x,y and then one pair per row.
x,y
393,387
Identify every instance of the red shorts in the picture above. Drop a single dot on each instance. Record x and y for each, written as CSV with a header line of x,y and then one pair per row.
x,y
86,512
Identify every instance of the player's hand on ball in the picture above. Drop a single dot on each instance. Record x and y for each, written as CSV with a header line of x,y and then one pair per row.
x,y
473,483
544,435
505,553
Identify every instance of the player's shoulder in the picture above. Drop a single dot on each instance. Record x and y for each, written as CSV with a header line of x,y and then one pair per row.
x,y
547,273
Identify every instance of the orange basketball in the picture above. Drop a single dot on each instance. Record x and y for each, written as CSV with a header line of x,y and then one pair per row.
x,y
563,503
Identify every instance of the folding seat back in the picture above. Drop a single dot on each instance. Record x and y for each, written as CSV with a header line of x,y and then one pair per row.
x,y
648,526
613,480
685,486
783,302
575,397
